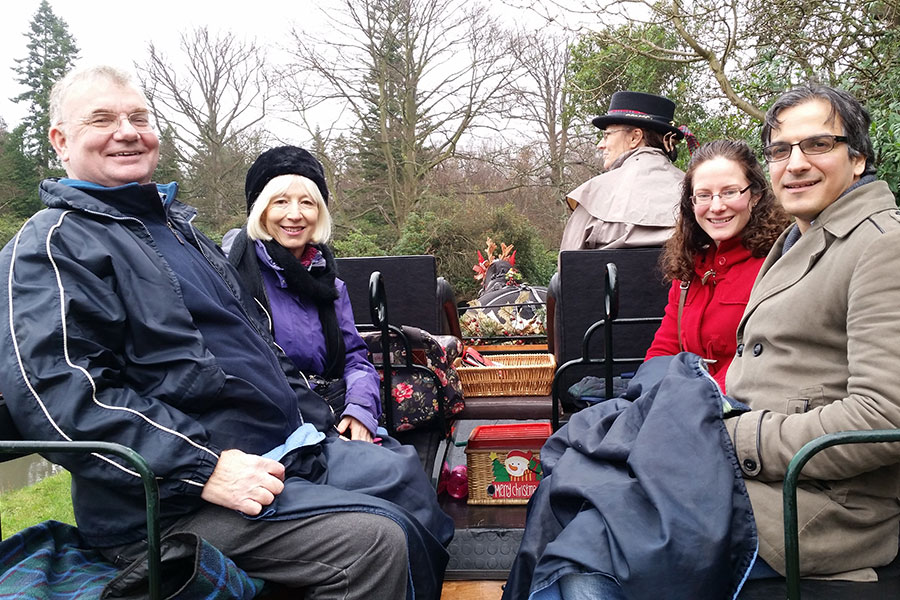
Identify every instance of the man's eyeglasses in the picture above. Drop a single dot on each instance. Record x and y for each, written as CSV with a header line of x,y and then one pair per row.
x,y
704,198
109,122
607,132
819,144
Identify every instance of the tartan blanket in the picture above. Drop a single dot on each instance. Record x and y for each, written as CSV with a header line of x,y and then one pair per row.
x,y
51,561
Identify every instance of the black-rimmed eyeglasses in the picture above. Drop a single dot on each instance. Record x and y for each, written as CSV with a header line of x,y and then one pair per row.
x,y
818,144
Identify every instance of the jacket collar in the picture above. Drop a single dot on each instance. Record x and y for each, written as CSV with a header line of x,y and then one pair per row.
x,y
639,150
845,213
835,222
130,200
263,254
721,258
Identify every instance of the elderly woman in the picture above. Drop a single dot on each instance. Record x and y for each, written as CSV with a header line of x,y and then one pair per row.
x,y
632,204
282,257
728,221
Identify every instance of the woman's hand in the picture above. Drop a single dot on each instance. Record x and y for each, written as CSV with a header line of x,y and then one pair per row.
x,y
358,431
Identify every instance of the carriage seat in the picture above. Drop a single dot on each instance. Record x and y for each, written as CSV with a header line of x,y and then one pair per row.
x,y
576,300
416,296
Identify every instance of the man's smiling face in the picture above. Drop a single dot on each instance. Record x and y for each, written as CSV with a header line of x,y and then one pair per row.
x,y
807,184
108,159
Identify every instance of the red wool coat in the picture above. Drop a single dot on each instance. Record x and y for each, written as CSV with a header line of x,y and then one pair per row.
x,y
712,310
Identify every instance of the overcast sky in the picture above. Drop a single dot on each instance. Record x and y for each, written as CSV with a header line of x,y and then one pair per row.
x,y
111,32
117,33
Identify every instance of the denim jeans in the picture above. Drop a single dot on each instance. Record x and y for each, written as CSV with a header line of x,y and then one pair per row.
x,y
594,586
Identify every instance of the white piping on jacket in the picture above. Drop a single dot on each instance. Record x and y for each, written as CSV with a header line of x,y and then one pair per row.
x,y
70,363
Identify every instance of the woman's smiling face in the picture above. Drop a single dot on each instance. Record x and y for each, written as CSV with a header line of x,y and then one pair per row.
x,y
722,220
291,218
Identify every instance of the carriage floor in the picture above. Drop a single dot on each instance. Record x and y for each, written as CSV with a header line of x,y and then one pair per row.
x,y
472,590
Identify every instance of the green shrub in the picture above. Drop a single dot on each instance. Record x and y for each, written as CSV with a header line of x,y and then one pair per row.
x,y
9,227
454,232
357,244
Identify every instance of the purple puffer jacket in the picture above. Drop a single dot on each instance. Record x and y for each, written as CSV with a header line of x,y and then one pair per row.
x,y
299,332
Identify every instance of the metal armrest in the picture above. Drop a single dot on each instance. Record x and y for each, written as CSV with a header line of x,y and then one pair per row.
x,y
151,491
789,494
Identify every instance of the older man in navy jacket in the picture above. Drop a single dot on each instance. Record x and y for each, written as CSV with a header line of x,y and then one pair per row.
x,y
123,323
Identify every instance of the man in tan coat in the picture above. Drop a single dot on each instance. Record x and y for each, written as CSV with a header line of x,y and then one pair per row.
x,y
818,343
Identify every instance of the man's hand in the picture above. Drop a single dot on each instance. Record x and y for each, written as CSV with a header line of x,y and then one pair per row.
x,y
244,482
358,431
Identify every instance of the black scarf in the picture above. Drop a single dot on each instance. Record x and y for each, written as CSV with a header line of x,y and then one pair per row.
x,y
318,286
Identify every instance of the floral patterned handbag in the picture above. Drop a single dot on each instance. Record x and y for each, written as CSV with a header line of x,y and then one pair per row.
x,y
414,393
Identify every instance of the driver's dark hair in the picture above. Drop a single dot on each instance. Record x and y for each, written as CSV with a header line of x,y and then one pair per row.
x,y
854,118
655,139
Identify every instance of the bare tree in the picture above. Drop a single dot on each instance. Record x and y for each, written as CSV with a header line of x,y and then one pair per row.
x,y
211,104
541,98
752,49
416,75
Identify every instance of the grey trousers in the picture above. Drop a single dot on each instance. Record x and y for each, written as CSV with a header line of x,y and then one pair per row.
x,y
346,556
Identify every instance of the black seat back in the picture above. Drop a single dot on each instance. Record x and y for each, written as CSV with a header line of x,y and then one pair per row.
x,y
410,284
580,302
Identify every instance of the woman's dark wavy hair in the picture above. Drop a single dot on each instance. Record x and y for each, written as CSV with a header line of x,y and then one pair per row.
x,y
767,219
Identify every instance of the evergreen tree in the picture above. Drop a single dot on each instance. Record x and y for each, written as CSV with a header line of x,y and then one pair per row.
x,y
18,183
168,168
51,54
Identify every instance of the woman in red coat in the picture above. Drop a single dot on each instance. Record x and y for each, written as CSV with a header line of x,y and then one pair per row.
x,y
727,222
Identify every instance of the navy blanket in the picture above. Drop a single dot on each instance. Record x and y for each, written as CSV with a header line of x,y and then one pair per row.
x,y
645,489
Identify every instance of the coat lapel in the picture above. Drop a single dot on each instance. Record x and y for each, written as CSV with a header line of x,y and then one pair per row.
x,y
779,273
838,220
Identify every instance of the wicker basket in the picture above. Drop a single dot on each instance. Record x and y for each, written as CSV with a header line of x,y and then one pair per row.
x,y
491,479
520,375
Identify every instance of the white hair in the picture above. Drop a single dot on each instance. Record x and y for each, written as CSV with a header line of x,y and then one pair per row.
x,y
89,74
256,227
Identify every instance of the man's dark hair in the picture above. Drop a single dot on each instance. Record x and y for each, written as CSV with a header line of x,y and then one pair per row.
x,y
854,118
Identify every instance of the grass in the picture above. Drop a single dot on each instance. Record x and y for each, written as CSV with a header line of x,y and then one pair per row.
x,y
49,498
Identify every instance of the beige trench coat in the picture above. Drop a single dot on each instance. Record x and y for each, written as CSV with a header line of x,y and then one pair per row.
x,y
819,352
630,206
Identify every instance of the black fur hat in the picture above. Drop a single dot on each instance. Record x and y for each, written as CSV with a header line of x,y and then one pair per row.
x,y
284,160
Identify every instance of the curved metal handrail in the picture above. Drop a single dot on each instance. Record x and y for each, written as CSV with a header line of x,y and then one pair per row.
x,y
789,492
151,490
379,313
608,362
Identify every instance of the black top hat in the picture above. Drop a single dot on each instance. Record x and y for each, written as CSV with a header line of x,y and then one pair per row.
x,y
641,110
284,160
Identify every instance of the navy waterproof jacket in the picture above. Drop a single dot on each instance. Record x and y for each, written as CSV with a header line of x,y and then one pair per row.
x,y
647,492
97,344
